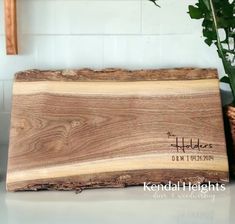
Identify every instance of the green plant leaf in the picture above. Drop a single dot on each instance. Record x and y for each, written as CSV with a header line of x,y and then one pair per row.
x,y
225,79
195,13
209,42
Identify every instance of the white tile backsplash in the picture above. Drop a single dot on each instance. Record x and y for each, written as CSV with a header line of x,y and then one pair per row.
x,y
123,51
171,18
80,17
61,52
11,64
7,95
1,97
187,50
4,127
159,51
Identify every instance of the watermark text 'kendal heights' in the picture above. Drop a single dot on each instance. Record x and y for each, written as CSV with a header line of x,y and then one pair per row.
x,y
182,186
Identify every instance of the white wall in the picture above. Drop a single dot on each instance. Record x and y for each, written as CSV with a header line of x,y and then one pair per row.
x,y
130,34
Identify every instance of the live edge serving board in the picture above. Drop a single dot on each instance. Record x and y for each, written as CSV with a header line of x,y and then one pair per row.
x,y
112,128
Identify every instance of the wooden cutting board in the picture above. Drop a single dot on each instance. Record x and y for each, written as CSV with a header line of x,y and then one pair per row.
x,y
113,128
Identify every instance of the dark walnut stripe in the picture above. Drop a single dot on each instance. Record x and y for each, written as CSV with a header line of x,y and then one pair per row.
x,y
68,129
117,75
121,179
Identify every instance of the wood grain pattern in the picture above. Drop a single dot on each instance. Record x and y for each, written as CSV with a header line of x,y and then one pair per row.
x,y
11,27
115,131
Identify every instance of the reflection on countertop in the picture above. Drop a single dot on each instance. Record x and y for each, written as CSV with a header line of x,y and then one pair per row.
x,y
128,205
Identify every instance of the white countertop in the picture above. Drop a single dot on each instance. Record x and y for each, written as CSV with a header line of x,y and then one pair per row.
x,y
128,205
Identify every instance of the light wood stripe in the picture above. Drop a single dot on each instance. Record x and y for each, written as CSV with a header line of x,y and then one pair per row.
x,y
139,88
142,162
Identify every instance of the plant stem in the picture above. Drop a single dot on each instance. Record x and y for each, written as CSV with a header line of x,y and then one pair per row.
x,y
227,68
220,48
